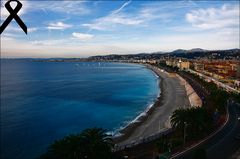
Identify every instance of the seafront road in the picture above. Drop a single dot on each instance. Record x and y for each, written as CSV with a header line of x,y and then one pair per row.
x,y
225,143
173,96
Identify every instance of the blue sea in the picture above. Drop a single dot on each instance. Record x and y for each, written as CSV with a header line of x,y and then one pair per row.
x,y
44,101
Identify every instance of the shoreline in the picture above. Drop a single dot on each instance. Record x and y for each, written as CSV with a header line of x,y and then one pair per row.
x,y
150,106
126,131
174,94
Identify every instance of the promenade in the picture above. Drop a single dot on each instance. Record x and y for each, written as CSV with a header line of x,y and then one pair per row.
x,y
173,96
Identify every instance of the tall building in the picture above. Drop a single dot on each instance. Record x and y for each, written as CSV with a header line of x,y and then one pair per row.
x,y
183,65
198,66
178,63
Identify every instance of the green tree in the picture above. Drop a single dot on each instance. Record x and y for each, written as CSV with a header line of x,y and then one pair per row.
x,y
90,143
195,120
179,118
97,143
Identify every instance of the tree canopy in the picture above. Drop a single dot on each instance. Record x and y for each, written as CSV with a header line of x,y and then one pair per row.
x,y
91,143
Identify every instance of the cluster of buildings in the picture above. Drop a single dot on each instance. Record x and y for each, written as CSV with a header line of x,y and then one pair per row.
x,y
179,63
148,61
227,71
220,69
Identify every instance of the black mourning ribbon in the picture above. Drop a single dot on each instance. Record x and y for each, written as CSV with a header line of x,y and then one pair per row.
x,y
13,15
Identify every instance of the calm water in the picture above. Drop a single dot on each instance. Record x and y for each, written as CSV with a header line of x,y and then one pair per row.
x,y
41,101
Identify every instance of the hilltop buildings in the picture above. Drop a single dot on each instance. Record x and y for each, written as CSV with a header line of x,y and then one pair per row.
x,y
181,64
220,69
226,71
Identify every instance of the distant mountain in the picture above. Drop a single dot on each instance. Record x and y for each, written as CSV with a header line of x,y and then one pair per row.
x,y
197,50
179,51
194,53
182,51
201,53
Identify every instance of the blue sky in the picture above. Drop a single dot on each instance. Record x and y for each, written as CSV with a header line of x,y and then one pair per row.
x,y
85,28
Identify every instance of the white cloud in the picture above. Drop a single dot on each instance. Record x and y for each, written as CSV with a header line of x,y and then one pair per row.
x,y
121,19
113,18
15,28
212,18
50,42
119,9
95,26
116,17
155,11
58,26
111,21
69,7
32,30
82,36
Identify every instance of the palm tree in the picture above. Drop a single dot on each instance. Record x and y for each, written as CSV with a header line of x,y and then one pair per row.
x,y
179,118
199,121
69,147
193,119
179,121
97,143
90,144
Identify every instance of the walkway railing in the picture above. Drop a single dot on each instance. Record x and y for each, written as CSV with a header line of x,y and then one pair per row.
x,y
142,140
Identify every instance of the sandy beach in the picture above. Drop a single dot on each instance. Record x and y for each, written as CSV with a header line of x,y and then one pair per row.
x,y
173,95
